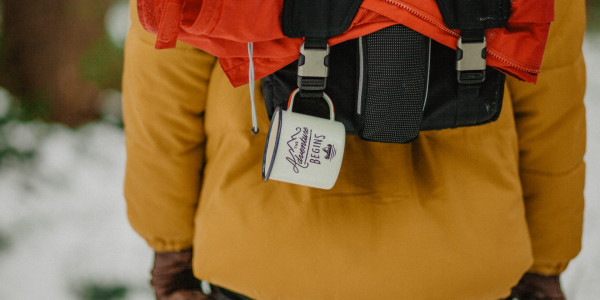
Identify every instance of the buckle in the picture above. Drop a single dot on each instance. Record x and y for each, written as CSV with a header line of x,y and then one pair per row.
x,y
470,61
314,64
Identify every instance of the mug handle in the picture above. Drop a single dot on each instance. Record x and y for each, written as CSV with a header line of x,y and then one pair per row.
x,y
325,97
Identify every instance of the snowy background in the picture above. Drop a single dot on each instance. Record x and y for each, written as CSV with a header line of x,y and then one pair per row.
x,y
63,227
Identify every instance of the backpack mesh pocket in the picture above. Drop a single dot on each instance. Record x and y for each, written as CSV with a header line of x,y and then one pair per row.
x,y
392,84
389,85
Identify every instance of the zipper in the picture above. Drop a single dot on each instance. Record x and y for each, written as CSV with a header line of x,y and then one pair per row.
x,y
456,35
510,63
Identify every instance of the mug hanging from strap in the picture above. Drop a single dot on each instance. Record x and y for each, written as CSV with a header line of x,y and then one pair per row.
x,y
315,21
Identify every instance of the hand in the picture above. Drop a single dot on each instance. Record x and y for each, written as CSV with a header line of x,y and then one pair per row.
x,y
172,277
537,287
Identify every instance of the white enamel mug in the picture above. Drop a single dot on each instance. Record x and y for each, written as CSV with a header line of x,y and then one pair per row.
x,y
304,149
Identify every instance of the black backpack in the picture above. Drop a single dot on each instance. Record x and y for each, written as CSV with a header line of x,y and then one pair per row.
x,y
389,85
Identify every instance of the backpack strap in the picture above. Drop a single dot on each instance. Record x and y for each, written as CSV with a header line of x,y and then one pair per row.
x,y
470,74
316,21
472,17
317,18
313,67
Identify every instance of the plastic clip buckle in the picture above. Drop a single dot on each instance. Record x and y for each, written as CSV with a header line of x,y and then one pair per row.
x,y
313,68
470,62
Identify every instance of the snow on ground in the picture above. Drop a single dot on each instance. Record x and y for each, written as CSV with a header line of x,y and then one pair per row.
x,y
63,216
63,225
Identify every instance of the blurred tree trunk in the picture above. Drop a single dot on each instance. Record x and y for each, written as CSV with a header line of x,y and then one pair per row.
x,y
43,43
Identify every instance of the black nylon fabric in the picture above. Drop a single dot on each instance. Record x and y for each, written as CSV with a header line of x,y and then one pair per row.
x,y
474,14
317,18
395,63
441,108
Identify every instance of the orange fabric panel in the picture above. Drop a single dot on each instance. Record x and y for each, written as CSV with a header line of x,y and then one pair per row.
x,y
223,28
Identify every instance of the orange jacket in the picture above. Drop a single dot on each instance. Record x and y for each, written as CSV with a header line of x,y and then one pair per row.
x,y
223,28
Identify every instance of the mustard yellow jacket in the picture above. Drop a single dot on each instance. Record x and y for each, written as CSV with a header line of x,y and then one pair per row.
x,y
457,214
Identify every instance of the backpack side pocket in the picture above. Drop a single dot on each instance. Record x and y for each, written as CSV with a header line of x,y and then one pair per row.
x,y
392,85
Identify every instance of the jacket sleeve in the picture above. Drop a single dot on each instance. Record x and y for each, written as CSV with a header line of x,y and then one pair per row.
x,y
164,93
550,121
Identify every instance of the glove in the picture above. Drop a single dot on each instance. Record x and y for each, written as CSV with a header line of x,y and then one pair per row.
x,y
537,287
172,277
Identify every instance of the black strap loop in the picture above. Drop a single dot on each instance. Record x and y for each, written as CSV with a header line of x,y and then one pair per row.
x,y
316,21
470,72
313,67
317,18
315,43
472,17
468,102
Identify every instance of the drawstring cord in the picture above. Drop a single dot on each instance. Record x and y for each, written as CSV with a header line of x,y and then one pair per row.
x,y
251,86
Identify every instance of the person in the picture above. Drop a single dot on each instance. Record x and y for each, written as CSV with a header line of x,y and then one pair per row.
x,y
466,213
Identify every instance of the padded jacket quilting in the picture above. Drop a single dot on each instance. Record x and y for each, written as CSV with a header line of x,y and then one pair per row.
x,y
457,214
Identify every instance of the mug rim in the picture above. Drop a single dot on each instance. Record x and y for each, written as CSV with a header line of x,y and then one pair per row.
x,y
266,173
